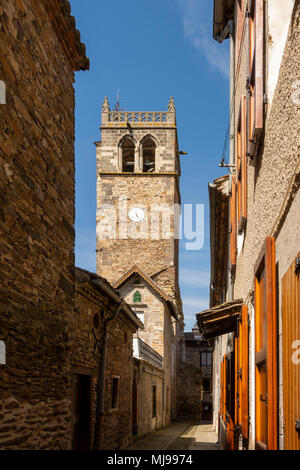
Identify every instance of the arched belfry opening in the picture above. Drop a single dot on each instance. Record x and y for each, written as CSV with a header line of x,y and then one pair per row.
x,y
148,148
127,149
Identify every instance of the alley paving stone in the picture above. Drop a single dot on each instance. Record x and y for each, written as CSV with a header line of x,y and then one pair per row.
x,y
180,436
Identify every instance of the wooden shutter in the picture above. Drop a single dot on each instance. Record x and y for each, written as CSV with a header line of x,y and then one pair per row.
x,y
224,389
221,387
242,166
266,348
245,373
233,232
291,355
242,371
239,30
256,76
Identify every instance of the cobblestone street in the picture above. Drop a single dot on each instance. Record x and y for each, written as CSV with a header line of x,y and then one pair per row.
x,y
180,436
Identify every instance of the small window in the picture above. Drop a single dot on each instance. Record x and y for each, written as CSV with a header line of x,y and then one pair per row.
x,y
153,401
137,297
206,359
115,393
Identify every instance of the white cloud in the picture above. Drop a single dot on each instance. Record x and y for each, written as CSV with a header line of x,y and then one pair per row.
x,y
194,278
197,26
195,304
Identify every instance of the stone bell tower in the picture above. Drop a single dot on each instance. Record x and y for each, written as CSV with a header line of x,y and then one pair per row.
x,y
138,173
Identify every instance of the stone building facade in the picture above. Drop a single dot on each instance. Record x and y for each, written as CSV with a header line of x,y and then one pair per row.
x,y
103,326
150,397
195,377
155,309
40,50
261,282
138,206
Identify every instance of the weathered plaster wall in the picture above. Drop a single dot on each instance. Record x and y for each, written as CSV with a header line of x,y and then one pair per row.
x,y
279,17
269,186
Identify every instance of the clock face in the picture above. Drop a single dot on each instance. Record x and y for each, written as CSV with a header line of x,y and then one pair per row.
x,y
136,214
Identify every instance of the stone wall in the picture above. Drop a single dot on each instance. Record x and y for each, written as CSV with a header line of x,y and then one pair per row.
x,y
189,391
151,252
93,308
157,332
36,229
148,244
148,376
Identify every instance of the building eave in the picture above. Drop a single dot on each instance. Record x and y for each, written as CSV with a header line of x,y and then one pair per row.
x,y
220,319
223,12
218,202
101,284
137,270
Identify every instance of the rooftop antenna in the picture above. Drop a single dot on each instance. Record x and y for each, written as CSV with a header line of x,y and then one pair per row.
x,y
117,106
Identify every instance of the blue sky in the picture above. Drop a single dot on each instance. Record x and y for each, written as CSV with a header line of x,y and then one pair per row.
x,y
150,50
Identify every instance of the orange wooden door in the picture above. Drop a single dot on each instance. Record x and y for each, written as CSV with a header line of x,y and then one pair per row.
x,y
261,362
242,371
265,349
291,356
230,401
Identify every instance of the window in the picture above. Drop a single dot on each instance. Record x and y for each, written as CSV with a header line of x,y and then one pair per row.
x,y
137,297
127,152
241,165
115,393
148,154
153,401
206,358
256,75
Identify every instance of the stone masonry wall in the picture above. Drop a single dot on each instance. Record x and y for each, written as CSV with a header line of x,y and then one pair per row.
x,y
148,243
157,331
36,230
189,391
87,340
147,377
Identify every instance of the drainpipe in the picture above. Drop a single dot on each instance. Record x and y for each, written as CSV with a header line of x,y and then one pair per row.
x,y
101,381
229,31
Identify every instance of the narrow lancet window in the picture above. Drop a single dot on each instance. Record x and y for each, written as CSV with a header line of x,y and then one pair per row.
x,y
127,147
148,153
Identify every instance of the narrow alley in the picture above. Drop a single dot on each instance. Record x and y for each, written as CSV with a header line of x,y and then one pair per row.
x,y
182,436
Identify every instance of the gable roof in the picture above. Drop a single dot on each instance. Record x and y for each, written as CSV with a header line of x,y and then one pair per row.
x,y
137,270
97,282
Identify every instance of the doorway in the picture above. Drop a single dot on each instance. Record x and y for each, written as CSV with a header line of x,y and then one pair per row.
x,y
81,412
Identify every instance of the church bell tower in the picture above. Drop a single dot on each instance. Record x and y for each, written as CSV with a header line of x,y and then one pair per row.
x,y
138,196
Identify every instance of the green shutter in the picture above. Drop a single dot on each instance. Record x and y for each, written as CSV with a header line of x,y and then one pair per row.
x,y
137,297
